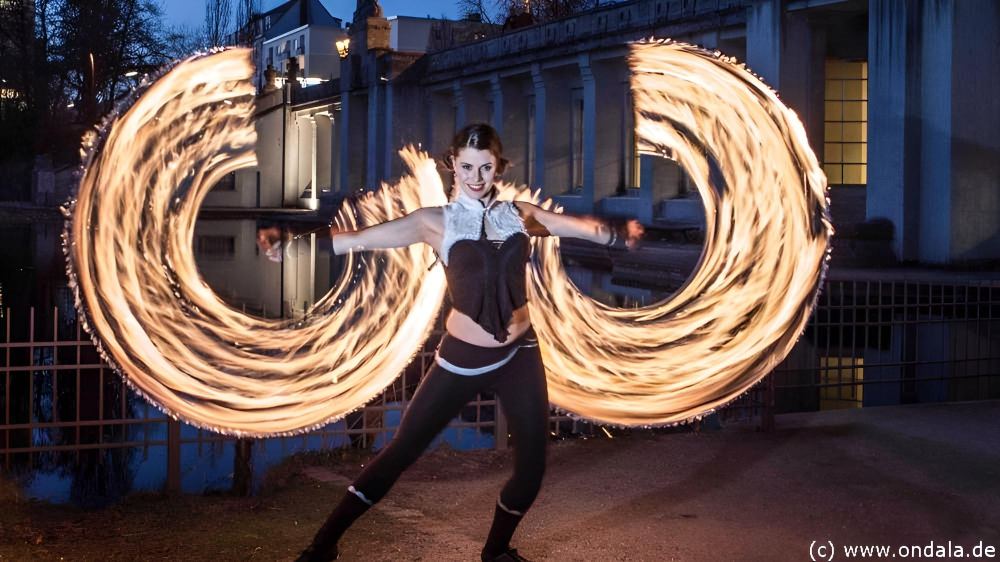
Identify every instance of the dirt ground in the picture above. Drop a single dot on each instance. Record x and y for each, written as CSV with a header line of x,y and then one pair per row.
x,y
897,476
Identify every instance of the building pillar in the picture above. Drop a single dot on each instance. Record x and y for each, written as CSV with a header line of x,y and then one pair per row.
x,y
335,121
538,169
458,97
388,146
589,132
496,96
375,110
892,188
344,172
764,39
314,153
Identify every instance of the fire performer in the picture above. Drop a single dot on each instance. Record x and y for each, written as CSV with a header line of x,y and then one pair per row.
x,y
489,344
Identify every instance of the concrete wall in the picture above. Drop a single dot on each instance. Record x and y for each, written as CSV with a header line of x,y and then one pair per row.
x,y
975,142
409,33
322,60
933,148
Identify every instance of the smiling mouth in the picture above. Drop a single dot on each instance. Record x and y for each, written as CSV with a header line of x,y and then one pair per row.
x,y
476,186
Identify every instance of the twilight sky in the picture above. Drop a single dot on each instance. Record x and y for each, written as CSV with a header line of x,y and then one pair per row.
x,y
192,12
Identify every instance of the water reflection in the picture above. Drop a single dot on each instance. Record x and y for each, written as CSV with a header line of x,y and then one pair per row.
x,y
602,286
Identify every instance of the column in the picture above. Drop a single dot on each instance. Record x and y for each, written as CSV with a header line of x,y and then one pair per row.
x,y
496,96
334,150
764,40
314,189
388,146
538,170
589,131
345,143
374,113
458,97
890,133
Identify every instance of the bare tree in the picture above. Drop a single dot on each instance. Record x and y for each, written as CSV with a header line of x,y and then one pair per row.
x,y
218,22
547,10
247,19
502,12
486,11
70,61
183,40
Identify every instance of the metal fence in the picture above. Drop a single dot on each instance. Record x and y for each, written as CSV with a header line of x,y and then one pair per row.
x,y
868,343
884,342
62,406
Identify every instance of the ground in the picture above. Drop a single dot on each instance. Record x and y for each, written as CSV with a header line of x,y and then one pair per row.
x,y
897,476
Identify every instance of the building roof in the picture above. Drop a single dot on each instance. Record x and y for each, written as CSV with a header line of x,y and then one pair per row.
x,y
296,13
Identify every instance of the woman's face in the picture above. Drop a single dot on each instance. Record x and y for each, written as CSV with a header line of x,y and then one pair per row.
x,y
474,171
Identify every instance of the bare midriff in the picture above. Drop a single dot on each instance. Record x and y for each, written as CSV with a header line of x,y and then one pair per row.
x,y
463,327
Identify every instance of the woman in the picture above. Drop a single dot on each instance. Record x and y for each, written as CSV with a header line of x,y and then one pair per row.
x,y
489,344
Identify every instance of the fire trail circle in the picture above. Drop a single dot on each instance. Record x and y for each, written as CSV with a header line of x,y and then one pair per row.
x,y
129,235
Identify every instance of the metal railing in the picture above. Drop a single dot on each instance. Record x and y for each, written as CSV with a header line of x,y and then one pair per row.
x,y
867,343
884,342
60,402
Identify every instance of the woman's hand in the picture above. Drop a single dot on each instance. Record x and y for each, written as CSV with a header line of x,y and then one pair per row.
x,y
269,242
633,232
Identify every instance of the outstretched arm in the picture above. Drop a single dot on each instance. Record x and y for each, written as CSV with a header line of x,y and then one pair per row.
x,y
586,228
415,227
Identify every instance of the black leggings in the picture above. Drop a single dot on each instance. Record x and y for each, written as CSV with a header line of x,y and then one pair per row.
x,y
519,384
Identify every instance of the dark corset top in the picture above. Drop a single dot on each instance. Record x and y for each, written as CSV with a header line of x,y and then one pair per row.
x,y
486,280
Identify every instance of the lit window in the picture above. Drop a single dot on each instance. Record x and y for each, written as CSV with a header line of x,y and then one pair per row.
x,y
845,133
841,380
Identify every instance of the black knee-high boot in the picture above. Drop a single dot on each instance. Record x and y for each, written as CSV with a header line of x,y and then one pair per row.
x,y
498,542
324,544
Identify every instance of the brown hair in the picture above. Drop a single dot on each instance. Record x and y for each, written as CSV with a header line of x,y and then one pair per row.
x,y
480,136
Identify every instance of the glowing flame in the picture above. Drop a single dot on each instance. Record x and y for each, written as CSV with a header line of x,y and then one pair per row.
x,y
129,244
766,241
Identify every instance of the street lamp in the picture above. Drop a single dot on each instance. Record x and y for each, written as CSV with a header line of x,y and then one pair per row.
x,y
342,47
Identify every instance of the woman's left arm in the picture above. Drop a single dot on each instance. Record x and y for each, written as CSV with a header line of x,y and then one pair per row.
x,y
586,228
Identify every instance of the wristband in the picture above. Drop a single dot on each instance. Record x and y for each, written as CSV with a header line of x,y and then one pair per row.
x,y
619,239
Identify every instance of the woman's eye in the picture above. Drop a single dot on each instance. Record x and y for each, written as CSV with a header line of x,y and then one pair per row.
x,y
487,168
466,166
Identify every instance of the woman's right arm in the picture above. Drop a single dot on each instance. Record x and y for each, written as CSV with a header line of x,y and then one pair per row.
x,y
417,226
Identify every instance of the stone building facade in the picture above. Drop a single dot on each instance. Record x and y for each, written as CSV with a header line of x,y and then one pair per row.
x,y
898,98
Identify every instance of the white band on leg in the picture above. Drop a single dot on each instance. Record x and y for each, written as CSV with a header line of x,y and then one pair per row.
x,y
361,496
507,509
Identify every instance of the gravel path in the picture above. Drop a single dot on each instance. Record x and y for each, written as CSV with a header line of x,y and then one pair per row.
x,y
897,476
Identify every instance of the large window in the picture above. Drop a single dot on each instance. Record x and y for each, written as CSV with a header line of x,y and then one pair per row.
x,y
845,135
